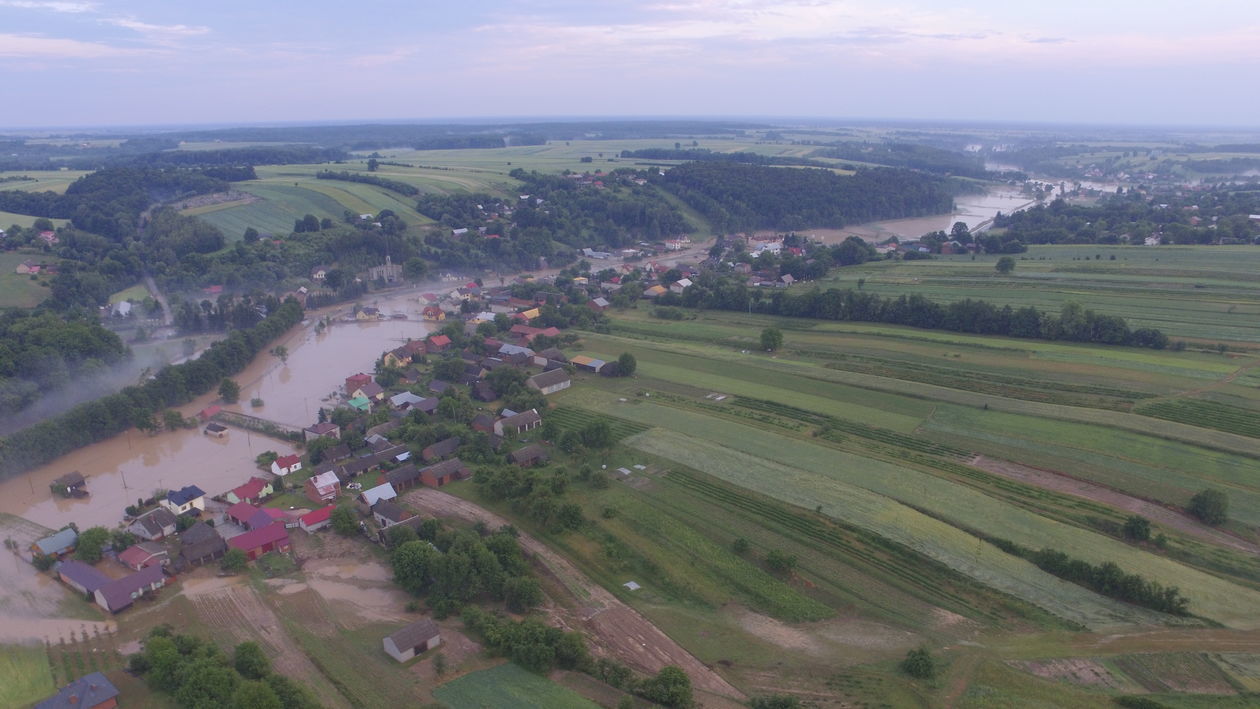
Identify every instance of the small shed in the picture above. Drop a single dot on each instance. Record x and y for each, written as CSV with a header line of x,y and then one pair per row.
x,y
421,636
215,430
71,484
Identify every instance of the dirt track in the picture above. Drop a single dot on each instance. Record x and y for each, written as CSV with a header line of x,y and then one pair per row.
x,y
1156,513
616,630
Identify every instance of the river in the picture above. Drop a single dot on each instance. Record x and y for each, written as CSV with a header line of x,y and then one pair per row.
x,y
971,209
133,464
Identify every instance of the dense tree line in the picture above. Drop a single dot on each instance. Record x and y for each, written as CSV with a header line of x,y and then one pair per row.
x,y
198,675
173,385
1219,215
1106,578
706,155
235,157
738,197
908,155
1074,322
40,351
393,185
537,493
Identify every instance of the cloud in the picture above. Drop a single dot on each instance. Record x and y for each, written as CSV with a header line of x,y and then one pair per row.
x,y
51,5
167,31
29,47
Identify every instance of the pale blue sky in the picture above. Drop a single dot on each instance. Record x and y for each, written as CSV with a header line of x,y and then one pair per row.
x,y
98,62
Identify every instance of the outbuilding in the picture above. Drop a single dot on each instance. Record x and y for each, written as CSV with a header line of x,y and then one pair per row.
x,y
421,636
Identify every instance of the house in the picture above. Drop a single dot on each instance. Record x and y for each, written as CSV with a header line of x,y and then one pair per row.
x,y
143,555
421,636
550,382
72,484
324,428
316,519
215,430
155,525
240,513
200,543
323,487
482,422
439,343
82,577
655,291
787,279
355,381
482,391
92,691
404,400
119,594
256,542
253,492
433,313
444,472
371,496
599,305
549,355
57,544
368,312
403,477
590,364
680,285
319,273
398,358
360,403
286,464
187,499
441,449
530,455
518,423
371,391
438,386
387,513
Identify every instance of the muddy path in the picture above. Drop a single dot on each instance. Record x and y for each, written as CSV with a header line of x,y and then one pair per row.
x,y
1153,511
615,629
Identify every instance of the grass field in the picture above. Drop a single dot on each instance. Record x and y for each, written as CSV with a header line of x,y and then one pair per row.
x,y
17,290
25,675
45,180
508,686
1204,293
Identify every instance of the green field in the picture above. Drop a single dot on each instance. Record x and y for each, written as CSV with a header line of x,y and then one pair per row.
x,y
25,675
17,290
1203,293
508,686
45,180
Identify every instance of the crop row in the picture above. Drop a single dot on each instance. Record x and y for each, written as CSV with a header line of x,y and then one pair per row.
x,y
1207,414
575,420
801,526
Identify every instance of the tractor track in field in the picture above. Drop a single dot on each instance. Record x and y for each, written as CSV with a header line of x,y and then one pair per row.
x,y
615,629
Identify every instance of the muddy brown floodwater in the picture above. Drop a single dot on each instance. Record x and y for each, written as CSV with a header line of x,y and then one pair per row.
x,y
133,464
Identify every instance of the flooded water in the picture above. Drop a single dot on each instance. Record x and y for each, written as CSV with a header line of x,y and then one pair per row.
x,y
133,464
972,210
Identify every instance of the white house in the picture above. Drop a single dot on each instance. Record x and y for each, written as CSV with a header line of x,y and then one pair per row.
x,y
286,464
185,499
412,640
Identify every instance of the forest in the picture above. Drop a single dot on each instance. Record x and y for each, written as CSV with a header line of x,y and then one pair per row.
x,y
393,185
41,351
738,197
706,155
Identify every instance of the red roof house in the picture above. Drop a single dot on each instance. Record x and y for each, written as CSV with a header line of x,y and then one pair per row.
x,y
241,512
316,519
256,542
355,381
138,556
252,492
439,343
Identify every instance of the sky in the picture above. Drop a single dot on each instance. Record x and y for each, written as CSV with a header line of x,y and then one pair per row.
x,y
161,62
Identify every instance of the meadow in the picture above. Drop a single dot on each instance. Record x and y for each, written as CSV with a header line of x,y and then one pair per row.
x,y
18,290
1205,294
25,675
508,685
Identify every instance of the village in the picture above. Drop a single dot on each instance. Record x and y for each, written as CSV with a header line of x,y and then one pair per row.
x,y
448,392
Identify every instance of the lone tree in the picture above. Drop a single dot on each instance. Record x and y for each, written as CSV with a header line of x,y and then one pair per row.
x,y
1210,506
343,521
771,339
90,544
919,664
626,364
1005,265
229,390
234,561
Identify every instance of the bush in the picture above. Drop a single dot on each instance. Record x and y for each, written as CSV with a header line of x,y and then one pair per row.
x,y
1210,506
780,562
1137,528
919,664
234,561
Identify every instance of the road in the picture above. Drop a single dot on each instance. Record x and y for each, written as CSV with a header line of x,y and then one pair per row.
x,y
168,317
